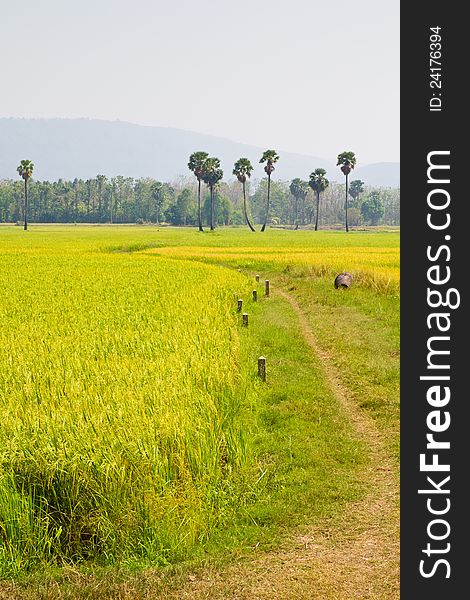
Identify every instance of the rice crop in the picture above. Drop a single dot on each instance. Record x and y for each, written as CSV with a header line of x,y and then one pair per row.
x,y
121,386
375,267
128,400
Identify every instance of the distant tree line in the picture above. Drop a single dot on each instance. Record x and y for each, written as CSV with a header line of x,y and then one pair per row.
x,y
127,200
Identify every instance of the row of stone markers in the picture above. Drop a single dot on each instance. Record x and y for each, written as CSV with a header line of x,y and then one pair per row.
x,y
343,280
261,359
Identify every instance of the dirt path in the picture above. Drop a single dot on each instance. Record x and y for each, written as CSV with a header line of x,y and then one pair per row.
x,y
355,556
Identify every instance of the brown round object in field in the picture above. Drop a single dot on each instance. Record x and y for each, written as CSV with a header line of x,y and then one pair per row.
x,y
343,280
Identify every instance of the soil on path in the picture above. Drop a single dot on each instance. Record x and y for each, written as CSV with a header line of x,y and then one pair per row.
x,y
354,556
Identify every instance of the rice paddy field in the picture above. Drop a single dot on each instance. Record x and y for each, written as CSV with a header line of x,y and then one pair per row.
x,y
135,431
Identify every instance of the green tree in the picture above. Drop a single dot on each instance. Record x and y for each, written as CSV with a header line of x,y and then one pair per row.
x,y
372,208
242,170
90,198
184,207
197,164
299,189
318,182
222,211
354,216
211,177
356,188
270,157
101,182
346,161
25,170
237,217
157,192
280,198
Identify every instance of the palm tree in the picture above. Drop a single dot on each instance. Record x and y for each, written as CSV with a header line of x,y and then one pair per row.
x,y
356,188
318,182
197,164
270,157
347,162
242,170
25,170
211,176
299,189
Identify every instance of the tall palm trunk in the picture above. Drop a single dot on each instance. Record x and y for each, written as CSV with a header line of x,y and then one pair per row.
x,y
318,210
199,205
212,207
267,204
296,213
25,227
245,210
346,203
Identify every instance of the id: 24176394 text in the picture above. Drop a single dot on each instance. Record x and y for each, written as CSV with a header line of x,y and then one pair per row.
x,y
435,69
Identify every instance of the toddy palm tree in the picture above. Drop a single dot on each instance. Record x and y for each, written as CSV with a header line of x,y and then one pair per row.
x,y
196,164
318,182
25,170
346,161
242,170
270,157
211,176
299,189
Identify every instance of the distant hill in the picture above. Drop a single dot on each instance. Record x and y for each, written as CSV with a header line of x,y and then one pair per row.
x,y
385,174
83,148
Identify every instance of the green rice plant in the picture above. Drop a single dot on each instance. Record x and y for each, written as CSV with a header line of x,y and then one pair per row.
x,y
134,429
121,390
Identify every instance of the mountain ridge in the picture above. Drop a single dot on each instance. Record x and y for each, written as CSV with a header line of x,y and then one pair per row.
x,y
63,148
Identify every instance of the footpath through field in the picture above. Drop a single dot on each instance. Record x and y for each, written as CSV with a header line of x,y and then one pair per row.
x,y
354,556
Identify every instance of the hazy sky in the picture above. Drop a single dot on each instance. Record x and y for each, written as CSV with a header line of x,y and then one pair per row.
x,y
296,75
